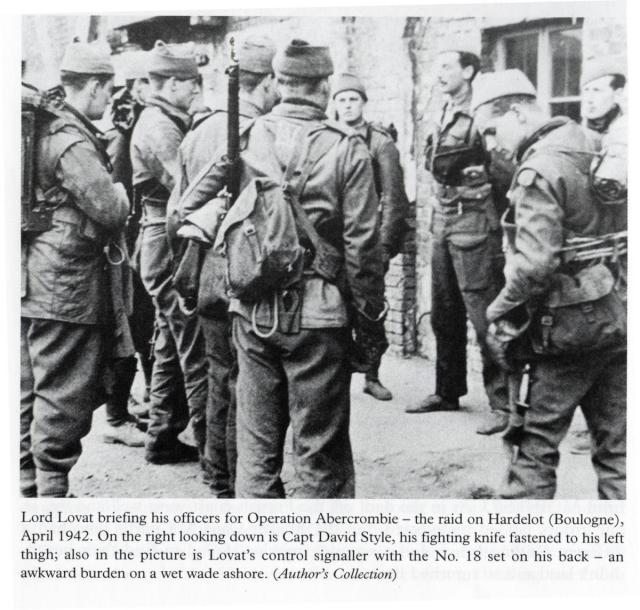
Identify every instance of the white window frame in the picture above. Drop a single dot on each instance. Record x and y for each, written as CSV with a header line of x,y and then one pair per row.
x,y
544,75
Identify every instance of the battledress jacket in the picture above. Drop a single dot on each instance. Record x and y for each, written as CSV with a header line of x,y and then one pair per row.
x,y
389,186
339,197
64,268
552,200
207,138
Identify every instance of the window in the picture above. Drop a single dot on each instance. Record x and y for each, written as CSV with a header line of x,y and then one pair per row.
x,y
551,57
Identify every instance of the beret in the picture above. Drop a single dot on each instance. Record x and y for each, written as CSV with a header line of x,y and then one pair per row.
x,y
602,66
493,85
348,82
87,58
167,60
301,59
256,54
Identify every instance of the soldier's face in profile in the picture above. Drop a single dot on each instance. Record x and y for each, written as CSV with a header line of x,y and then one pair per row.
x,y
450,75
349,106
140,89
99,99
598,97
501,134
184,92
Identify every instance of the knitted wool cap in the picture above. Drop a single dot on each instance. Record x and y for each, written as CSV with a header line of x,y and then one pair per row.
x,y
348,82
167,60
493,85
86,58
301,59
256,54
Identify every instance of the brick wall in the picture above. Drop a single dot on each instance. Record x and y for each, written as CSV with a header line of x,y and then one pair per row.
x,y
394,58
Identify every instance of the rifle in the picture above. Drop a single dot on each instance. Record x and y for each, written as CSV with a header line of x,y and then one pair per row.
x,y
186,278
232,186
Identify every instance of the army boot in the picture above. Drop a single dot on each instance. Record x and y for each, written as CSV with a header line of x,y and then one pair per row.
x,y
374,388
126,433
494,422
433,403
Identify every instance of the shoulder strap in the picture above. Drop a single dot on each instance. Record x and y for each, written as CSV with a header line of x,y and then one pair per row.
x,y
214,159
294,189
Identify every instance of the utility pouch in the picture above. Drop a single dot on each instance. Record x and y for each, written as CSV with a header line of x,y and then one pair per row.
x,y
581,313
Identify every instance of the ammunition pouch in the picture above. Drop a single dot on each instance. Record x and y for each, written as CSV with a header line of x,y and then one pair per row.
x,y
582,312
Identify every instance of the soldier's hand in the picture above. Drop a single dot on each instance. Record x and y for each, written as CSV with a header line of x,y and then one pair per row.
x,y
369,343
498,346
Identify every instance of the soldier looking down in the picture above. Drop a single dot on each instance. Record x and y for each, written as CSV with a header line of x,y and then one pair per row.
x,y
179,345
563,306
65,315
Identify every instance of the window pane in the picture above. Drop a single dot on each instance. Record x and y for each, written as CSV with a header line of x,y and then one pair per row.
x,y
566,61
522,53
570,109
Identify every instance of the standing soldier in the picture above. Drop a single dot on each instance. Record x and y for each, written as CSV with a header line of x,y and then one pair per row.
x,y
127,104
257,95
65,311
466,272
563,287
179,346
603,82
293,345
350,98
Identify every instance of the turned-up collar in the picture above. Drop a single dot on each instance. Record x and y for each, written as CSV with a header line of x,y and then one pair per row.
x,y
297,108
540,133
601,124
176,113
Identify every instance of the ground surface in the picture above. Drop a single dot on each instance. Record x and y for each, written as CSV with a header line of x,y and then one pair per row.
x,y
397,455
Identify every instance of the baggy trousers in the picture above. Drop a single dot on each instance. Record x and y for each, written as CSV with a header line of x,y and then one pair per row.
x,y
598,383
222,366
464,282
301,380
60,386
179,355
141,323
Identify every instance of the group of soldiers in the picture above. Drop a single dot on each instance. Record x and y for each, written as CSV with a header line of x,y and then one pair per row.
x,y
227,377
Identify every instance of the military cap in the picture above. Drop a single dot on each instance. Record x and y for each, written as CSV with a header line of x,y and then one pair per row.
x,y
87,58
167,60
494,85
602,66
348,82
256,54
301,59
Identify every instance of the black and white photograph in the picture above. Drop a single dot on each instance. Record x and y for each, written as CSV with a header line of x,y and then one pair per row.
x,y
364,269
284,256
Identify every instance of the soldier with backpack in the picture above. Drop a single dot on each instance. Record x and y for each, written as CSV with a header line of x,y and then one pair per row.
x,y
65,318
305,270
256,96
563,307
